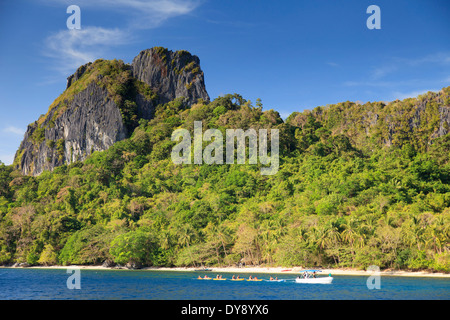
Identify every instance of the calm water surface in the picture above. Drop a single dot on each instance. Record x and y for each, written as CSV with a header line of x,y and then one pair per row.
x,y
50,284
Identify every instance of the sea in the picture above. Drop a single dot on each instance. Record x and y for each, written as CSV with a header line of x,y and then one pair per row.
x,y
88,284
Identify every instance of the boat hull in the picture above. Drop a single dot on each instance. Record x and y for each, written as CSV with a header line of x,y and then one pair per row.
x,y
201,270
323,280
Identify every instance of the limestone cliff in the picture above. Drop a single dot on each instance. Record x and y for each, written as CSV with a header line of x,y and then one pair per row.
x,y
172,74
103,103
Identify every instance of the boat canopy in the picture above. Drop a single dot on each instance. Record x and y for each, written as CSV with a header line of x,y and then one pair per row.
x,y
311,270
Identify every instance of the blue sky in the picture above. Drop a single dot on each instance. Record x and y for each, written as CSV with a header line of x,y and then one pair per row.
x,y
294,55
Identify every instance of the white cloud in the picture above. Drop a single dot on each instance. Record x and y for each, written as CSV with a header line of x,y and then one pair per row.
x,y
7,158
385,76
167,7
370,83
439,58
153,13
142,14
411,94
400,64
333,64
382,71
14,130
285,114
72,48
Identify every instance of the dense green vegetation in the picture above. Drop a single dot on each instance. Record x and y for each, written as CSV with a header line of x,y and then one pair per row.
x,y
350,192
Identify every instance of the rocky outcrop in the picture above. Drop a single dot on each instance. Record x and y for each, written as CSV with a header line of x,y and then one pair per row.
x,y
109,264
91,122
171,74
77,75
102,104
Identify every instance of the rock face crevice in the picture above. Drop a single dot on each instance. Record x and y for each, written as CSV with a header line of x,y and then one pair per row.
x,y
88,117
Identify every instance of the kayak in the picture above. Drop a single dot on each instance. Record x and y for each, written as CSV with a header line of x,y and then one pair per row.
x,y
255,280
204,278
240,279
281,280
220,279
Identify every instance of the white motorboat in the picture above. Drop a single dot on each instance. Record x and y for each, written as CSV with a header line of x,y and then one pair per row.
x,y
308,276
323,280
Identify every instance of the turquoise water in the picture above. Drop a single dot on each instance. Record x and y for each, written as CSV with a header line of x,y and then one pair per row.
x,y
50,284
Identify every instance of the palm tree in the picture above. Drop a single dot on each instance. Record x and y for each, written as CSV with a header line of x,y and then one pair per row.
x,y
184,238
352,235
409,233
270,231
223,236
348,235
434,238
164,240
334,243
369,224
320,237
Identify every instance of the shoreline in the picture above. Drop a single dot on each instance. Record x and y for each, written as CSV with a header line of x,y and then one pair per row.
x,y
265,270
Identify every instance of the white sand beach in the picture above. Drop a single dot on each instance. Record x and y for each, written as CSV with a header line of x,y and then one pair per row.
x,y
266,270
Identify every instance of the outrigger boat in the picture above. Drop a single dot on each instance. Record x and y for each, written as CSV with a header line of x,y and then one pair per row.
x,y
309,276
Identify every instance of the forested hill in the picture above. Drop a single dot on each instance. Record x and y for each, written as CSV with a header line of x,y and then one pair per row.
x,y
413,121
358,185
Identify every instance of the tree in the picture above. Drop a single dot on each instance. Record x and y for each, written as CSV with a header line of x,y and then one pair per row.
x,y
184,238
245,243
135,247
48,256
